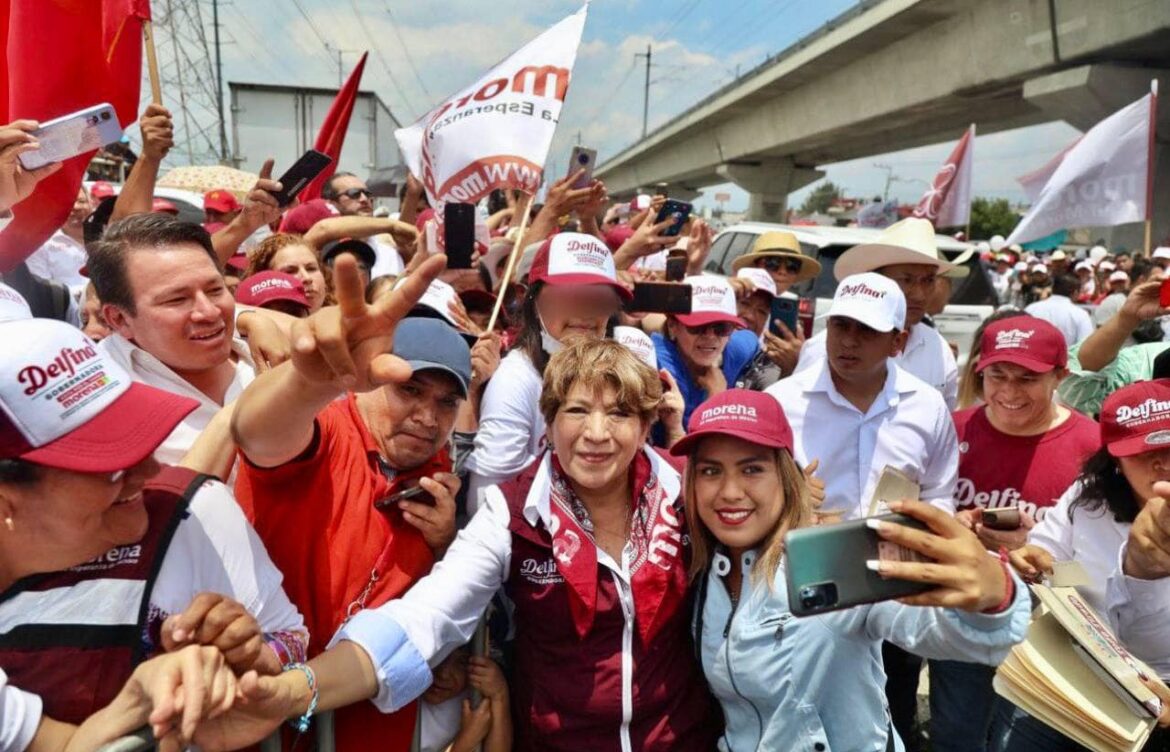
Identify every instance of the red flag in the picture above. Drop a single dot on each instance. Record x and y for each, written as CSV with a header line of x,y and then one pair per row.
x,y
336,123
947,203
63,56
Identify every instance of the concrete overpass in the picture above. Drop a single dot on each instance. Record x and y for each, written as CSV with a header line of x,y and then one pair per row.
x,y
895,74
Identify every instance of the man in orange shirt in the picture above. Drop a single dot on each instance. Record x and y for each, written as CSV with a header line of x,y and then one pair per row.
x,y
322,460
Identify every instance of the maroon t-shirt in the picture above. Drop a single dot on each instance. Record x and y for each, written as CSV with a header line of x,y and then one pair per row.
x,y
1031,472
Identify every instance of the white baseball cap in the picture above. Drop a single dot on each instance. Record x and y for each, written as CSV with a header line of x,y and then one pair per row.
x,y
574,258
1161,251
637,342
64,404
1096,253
1021,266
13,306
1058,256
760,278
1086,265
1039,269
712,301
436,303
996,242
1119,276
872,299
1107,266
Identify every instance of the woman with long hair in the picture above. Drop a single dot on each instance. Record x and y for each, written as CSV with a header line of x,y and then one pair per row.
x,y
289,253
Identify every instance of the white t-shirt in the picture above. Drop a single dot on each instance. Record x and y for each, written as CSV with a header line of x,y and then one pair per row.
x,y
20,715
388,259
926,355
60,260
148,369
511,431
908,426
1072,321
1136,609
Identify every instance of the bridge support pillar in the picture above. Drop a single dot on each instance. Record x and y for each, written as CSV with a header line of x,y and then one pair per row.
x,y
1083,97
768,184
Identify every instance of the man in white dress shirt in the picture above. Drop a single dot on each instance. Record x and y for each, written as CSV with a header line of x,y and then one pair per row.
x,y
906,252
61,257
1058,309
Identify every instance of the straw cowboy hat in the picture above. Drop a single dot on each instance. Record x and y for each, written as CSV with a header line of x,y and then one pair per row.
x,y
910,241
780,245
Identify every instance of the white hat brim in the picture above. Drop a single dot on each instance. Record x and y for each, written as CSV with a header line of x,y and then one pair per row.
x,y
869,257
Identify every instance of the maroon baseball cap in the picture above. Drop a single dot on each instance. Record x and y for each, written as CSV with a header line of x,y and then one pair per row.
x,y
1026,341
220,200
574,258
265,287
237,262
618,235
742,413
162,206
1135,419
474,297
300,218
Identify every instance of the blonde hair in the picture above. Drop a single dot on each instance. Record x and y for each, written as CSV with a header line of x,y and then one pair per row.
x,y
797,513
597,364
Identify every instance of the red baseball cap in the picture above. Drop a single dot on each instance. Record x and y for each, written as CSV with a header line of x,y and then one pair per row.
x,y
1026,341
476,298
238,262
618,235
220,200
300,218
162,205
742,413
265,287
1135,419
100,189
64,404
574,258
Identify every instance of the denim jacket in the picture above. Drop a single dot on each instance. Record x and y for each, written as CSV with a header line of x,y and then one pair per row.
x,y
816,683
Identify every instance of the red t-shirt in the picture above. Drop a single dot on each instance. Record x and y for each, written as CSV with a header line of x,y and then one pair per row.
x,y
1031,472
317,519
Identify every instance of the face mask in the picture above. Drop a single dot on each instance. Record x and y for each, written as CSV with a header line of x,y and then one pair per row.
x,y
548,343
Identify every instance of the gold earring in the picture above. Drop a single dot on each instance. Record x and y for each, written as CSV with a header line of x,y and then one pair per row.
x,y
8,524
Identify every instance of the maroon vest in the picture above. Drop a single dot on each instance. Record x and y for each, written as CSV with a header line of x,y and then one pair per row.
x,y
78,667
567,693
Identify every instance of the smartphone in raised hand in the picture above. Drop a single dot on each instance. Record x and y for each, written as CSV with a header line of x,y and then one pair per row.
x,y
582,159
310,164
679,211
459,234
69,135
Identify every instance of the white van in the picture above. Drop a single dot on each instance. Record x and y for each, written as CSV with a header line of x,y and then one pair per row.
x,y
972,300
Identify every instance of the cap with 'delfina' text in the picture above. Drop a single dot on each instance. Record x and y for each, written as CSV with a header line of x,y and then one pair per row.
x,y
1025,341
64,404
1136,418
574,258
871,299
742,413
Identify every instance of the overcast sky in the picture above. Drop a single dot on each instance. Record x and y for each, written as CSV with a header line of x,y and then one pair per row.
x,y
422,51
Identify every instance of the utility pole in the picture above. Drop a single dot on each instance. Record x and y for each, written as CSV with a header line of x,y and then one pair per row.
x,y
223,148
646,92
578,137
340,70
889,179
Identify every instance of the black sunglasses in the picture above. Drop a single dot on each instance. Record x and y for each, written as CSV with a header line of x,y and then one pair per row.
x,y
718,328
356,193
790,265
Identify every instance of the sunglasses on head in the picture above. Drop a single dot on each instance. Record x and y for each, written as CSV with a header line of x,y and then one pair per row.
x,y
718,328
356,193
790,265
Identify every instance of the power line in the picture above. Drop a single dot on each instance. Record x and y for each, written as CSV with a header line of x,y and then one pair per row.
x,y
686,11
382,59
406,51
313,27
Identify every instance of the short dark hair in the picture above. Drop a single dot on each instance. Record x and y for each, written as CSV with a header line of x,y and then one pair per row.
x,y
1066,285
107,257
328,192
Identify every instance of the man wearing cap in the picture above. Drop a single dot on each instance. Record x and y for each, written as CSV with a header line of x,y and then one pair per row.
x,y
105,551
61,257
1059,310
1001,278
1161,257
1118,288
362,252
220,207
326,460
906,252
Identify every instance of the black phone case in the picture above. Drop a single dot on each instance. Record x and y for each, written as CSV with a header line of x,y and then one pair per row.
x,y
654,297
294,180
459,234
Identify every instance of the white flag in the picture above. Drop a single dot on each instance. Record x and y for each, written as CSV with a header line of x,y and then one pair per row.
x,y
496,132
1101,180
947,203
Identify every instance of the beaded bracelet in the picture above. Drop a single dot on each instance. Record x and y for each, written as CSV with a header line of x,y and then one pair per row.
x,y
302,724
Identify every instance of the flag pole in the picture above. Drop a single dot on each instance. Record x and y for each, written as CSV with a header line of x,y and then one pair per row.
x,y
152,62
1150,164
515,254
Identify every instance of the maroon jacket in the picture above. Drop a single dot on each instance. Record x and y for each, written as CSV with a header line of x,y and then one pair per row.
x,y
570,694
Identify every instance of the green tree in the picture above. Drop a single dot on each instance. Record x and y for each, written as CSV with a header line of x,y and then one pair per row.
x,y
992,216
821,198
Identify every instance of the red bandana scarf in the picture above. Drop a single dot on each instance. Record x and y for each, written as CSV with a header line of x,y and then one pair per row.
x,y
658,572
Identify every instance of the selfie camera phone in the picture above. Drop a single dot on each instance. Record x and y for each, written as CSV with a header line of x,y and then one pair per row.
x,y
459,234
786,308
585,159
76,133
1006,518
415,493
679,210
302,172
660,297
676,265
826,566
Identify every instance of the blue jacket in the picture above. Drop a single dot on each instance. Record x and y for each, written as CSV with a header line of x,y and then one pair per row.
x,y
741,349
817,683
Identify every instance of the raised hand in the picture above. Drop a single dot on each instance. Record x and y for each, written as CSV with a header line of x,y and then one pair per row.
x,y
260,207
1147,552
784,350
17,183
158,131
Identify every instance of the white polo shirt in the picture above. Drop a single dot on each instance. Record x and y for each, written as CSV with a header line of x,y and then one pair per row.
x,y
148,369
926,355
908,426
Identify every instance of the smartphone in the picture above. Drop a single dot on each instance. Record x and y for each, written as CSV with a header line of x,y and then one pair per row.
x,y
826,566
785,308
676,265
1163,291
680,210
585,159
1003,518
660,297
415,493
459,234
76,133
294,180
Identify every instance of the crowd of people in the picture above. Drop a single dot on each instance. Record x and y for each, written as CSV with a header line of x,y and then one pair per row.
x,y
287,466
